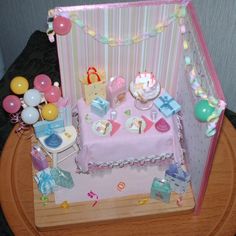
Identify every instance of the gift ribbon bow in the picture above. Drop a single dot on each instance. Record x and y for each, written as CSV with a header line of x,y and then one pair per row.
x,y
166,102
100,103
46,183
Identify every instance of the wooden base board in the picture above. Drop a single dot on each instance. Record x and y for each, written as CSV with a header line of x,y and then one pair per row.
x,y
51,215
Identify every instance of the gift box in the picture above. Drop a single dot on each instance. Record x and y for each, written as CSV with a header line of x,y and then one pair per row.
x,y
45,181
93,84
167,105
62,178
116,91
177,178
46,128
100,106
160,190
38,158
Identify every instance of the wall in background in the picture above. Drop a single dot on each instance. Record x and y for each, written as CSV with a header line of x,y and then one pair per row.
x,y
19,19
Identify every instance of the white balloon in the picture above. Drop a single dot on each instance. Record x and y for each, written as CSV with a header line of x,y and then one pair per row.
x,y
30,115
32,97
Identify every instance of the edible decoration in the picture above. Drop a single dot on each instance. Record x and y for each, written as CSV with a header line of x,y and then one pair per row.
x,y
121,186
160,190
143,201
88,119
19,85
135,125
116,91
62,178
167,105
53,141
32,97
144,88
127,112
44,199
61,25
46,183
38,158
42,82
180,201
52,94
65,205
115,127
102,127
11,104
30,115
194,70
49,112
177,178
203,110
148,122
162,126
100,106
92,195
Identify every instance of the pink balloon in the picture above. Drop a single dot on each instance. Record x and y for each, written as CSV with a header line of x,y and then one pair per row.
x,y
11,104
61,25
52,94
42,82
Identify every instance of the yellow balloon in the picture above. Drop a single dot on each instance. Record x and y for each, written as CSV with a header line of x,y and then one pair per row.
x,y
49,112
19,85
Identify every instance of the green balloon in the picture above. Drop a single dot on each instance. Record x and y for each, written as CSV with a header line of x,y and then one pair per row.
x,y
202,110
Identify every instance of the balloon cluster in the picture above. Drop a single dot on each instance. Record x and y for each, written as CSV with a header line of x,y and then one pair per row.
x,y
43,92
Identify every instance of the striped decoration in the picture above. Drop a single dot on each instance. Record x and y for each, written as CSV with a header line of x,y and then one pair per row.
x,y
160,55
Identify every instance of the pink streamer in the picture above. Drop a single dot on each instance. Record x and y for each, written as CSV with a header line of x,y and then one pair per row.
x,y
16,118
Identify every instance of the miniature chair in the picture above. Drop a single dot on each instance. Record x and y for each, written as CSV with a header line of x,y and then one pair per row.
x,y
68,138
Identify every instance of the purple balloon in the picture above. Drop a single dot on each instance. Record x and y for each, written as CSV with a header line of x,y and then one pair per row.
x,y
11,104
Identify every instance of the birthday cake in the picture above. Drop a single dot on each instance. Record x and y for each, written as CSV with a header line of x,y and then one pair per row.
x,y
145,87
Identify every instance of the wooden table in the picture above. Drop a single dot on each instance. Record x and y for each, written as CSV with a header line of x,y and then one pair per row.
x,y
217,217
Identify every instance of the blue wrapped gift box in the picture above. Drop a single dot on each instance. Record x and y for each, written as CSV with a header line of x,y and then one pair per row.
x,y
45,181
100,106
46,128
160,190
167,105
178,178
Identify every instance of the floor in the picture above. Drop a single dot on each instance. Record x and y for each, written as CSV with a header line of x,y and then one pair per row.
x,y
4,228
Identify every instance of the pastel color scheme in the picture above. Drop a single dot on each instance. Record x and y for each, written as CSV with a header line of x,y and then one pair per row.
x,y
167,105
163,55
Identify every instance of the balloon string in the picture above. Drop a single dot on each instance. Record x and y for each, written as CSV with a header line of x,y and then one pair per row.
x,y
16,118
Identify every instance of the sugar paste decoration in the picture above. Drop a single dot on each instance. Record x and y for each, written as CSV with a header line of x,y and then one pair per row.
x,y
121,186
38,103
60,23
196,81
92,195
65,205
